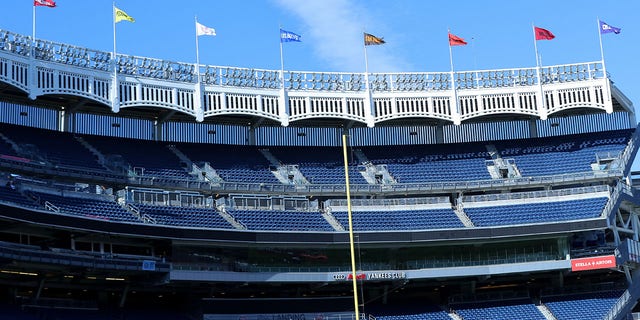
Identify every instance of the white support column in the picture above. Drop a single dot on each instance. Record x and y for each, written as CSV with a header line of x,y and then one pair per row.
x,y
223,101
56,81
369,107
307,105
369,111
345,107
33,78
115,103
284,109
606,95
259,103
453,100
542,108
198,100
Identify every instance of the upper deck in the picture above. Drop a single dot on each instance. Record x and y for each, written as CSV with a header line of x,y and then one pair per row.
x,y
47,68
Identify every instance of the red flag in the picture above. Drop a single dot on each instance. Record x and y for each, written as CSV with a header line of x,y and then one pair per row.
x,y
543,34
44,3
456,41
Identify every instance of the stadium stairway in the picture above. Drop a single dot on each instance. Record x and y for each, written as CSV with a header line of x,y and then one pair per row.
x,y
101,158
229,218
546,312
180,155
10,142
374,174
455,316
464,218
204,173
331,219
287,174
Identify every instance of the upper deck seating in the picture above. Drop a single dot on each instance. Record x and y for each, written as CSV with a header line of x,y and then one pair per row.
x,y
281,220
319,165
193,217
88,208
10,195
511,309
417,310
432,163
537,212
562,154
233,163
388,220
151,157
54,147
578,306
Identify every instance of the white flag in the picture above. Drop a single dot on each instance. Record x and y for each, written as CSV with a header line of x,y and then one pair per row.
x,y
202,30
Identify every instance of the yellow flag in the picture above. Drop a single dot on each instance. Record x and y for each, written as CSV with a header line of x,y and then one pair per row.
x,y
121,15
371,40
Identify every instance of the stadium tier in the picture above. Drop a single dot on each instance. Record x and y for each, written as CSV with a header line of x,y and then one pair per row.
x,y
137,188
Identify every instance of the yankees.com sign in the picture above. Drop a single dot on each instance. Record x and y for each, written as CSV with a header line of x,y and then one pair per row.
x,y
370,276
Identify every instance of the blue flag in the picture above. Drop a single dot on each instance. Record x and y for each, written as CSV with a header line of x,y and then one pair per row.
x,y
607,28
288,36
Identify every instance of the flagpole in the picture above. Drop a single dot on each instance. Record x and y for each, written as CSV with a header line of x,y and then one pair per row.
x,y
281,58
538,71
535,45
33,28
197,50
366,71
366,65
450,52
453,82
114,106
604,68
32,58
198,93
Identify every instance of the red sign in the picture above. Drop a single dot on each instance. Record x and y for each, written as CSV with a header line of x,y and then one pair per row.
x,y
593,263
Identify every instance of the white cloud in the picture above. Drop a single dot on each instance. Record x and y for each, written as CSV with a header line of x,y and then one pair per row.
x,y
335,30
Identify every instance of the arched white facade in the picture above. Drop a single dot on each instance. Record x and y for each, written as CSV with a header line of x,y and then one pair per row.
x,y
208,91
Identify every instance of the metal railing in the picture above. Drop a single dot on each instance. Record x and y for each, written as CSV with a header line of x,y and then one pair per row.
x,y
153,68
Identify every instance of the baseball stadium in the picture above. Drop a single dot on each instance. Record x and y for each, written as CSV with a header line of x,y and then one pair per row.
x,y
140,188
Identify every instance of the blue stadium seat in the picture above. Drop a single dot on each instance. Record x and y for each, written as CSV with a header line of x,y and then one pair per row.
x,y
87,208
569,307
514,309
233,163
423,219
192,217
501,215
281,220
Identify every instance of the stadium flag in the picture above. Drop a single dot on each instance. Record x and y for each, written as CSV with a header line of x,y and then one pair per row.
x,y
288,36
202,30
118,15
543,34
371,40
44,3
456,41
121,15
607,28
38,3
604,28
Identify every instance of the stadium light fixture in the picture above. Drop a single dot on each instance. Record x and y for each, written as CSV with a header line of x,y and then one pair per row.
x,y
19,273
114,279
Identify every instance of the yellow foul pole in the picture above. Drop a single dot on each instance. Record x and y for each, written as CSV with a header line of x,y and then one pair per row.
x,y
353,256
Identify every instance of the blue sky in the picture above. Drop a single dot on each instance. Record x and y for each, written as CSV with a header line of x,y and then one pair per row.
x,y
499,32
